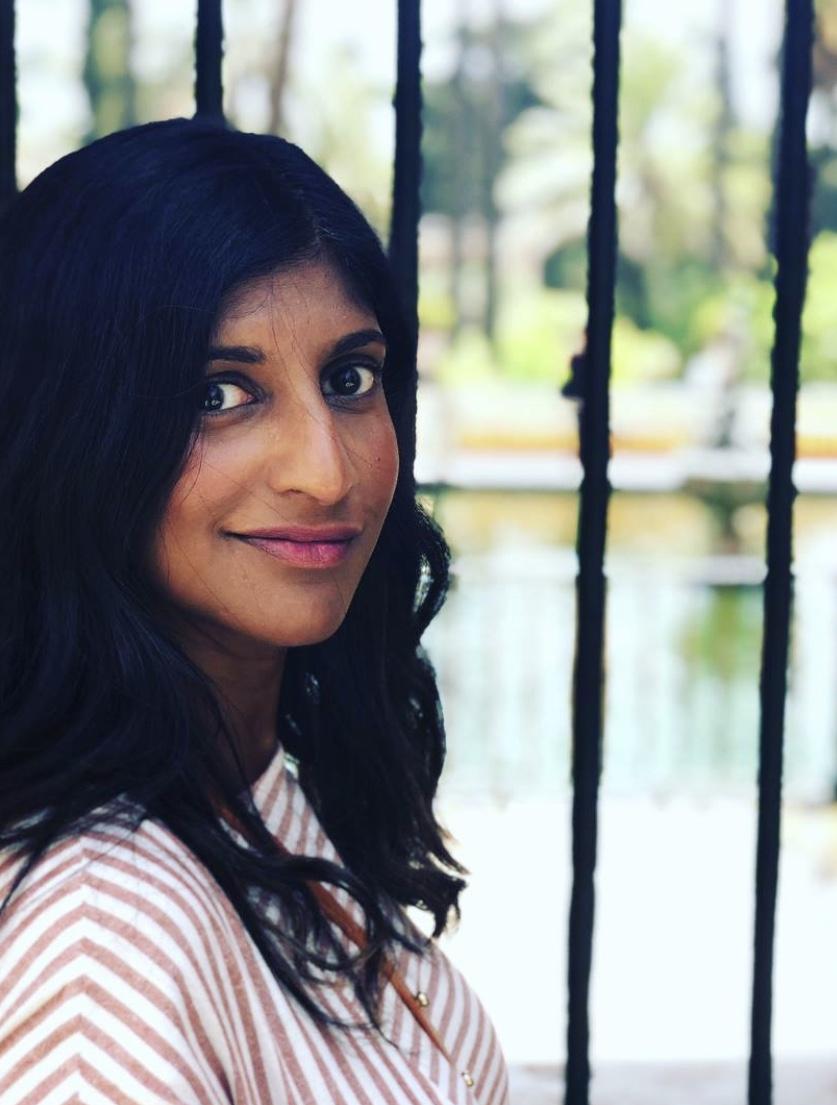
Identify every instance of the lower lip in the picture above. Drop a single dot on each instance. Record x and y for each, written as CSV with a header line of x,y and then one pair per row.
x,y
305,554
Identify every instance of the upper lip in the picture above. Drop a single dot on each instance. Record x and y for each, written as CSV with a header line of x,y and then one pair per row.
x,y
305,533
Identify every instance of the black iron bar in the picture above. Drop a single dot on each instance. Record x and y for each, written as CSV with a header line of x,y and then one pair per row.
x,y
792,234
594,434
209,54
8,104
406,186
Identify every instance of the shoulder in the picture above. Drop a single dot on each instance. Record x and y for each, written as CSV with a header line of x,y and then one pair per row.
x,y
125,884
112,956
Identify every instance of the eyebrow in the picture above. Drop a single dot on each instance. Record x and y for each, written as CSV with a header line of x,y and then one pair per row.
x,y
254,354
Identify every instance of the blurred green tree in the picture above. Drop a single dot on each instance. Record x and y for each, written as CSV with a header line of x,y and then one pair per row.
x,y
694,181
466,117
107,73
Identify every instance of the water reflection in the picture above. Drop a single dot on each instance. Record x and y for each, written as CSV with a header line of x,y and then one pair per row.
x,y
683,643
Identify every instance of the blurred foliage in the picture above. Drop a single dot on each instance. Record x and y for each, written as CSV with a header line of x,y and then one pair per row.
x,y
506,178
337,133
107,75
694,197
725,633
468,360
435,304
466,117
464,125
819,345
745,305
642,354
539,332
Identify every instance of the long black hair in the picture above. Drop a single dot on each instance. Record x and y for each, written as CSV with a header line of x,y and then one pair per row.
x,y
114,264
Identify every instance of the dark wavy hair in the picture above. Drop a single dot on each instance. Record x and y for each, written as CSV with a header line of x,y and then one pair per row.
x,y
114,265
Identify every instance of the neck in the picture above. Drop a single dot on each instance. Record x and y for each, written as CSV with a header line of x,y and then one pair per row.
x,y
247,677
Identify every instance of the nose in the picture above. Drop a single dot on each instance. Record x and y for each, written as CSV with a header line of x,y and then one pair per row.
x,y
308,453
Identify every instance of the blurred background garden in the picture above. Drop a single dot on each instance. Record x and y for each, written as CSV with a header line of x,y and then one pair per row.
x,y
507,161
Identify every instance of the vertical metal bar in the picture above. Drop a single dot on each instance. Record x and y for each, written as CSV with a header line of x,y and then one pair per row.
x,y
8,104
594,432
406,187
406,201
209,53
793,193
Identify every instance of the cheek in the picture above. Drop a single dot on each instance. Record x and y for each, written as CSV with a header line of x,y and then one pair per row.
x,y
384,460
211,481
195,501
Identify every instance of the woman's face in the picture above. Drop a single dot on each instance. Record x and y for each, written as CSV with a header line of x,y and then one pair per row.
x,y
302,436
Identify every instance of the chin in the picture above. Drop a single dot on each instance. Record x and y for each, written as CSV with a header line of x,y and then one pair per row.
x,y
310,632
311,637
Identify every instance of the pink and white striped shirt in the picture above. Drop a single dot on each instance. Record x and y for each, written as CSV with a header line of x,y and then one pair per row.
x,y
127,978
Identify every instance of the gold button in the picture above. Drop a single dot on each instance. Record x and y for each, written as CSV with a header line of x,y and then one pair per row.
x,y
422,998
468,1079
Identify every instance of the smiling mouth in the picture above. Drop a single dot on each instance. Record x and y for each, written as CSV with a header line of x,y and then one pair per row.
x,y
303,554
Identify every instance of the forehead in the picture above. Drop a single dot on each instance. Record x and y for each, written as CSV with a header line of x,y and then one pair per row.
x,y
314,292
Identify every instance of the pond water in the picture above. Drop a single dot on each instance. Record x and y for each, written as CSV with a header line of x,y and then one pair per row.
x,y
682,652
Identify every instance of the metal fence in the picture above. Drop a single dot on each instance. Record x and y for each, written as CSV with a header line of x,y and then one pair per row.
x,y
678,721
590,383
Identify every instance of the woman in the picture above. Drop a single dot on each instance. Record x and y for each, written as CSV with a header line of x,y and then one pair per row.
x,y
220,738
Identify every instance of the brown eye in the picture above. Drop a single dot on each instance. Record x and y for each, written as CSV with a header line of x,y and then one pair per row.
x,y
349,379
214,399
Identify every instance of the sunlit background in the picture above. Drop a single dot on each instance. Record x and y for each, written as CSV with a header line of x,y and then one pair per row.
x,y
505,193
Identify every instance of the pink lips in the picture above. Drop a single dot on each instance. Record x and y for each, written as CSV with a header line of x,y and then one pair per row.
x,y
305,554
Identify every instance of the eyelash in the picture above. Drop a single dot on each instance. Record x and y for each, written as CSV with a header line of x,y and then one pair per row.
x,y
239,381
